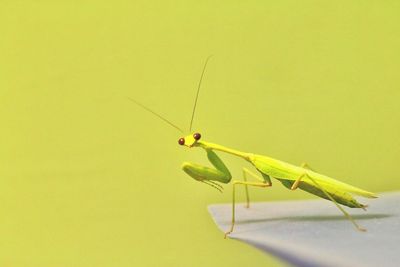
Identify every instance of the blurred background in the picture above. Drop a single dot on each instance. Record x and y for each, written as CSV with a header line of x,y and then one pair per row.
x,y
90,179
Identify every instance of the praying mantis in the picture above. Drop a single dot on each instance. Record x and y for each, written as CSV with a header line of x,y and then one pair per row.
x,y
291,176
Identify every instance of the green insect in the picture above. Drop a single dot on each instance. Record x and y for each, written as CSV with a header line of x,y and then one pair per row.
x,y
291,176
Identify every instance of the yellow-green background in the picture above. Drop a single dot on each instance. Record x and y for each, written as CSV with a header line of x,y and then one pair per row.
x,y
90,179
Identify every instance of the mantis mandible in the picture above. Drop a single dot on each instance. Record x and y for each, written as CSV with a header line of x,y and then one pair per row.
x,y
291,176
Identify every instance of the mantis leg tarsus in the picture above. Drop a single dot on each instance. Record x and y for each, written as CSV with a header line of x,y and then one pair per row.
x,y
258,184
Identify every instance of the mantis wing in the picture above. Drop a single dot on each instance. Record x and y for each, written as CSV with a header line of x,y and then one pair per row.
x,y
312,182
326,181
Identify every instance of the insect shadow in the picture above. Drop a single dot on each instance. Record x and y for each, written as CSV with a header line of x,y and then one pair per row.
x,y
318,218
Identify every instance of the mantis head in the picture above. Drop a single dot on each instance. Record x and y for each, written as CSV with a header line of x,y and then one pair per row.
x,y
189,140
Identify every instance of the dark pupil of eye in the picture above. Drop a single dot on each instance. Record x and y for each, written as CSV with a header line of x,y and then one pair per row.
x,y
197,136
181,141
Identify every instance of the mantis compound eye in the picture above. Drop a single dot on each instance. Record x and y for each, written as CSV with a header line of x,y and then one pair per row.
x,y
197,136
181,141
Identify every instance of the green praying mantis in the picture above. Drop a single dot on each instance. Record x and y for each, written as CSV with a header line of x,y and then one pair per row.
x,y
291,176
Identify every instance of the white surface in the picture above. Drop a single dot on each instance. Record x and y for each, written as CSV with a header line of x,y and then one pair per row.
x,y
315,233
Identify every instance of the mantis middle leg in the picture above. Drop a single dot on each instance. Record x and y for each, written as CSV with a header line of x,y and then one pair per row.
x,y
248,172
245,183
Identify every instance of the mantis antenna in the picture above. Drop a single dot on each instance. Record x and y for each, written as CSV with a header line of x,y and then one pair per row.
x,y
197,94
154,113
194,107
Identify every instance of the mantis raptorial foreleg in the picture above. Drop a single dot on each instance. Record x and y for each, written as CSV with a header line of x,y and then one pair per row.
x,y
262,184
348,216
209,175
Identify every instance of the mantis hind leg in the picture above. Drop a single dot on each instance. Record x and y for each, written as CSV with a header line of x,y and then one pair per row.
x,y
346,214
245,183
